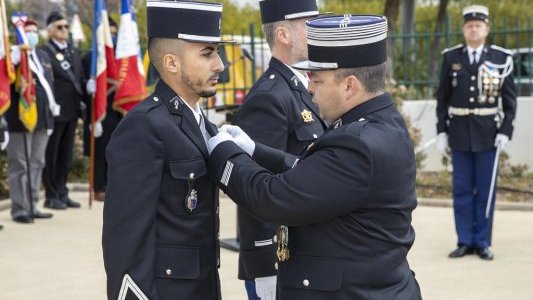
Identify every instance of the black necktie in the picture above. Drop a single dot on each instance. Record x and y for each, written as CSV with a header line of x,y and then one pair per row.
x,y
473,58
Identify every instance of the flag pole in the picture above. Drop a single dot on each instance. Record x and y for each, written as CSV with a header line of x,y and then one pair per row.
x,y
91,156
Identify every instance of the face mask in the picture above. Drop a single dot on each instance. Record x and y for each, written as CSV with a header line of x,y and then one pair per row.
x,y
33,39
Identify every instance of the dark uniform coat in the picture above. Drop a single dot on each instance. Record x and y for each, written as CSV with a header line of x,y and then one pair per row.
x,y
157,156
278,113
69,85
348,204
44,115
459,88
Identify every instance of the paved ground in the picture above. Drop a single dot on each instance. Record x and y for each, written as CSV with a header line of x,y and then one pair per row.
x,y
61,259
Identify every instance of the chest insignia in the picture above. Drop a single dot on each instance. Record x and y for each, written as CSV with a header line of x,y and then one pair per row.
x,y
307,116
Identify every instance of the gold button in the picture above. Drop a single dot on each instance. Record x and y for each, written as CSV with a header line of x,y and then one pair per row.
x,y
306,282
169,272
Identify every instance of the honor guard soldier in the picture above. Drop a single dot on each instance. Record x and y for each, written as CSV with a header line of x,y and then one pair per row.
x,y
345,205
476,106
161,224
279,113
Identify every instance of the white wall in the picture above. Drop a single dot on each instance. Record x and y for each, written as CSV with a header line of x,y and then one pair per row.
x,y
520,149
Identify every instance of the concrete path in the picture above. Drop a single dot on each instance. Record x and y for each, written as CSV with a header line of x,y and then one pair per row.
x,y
61,258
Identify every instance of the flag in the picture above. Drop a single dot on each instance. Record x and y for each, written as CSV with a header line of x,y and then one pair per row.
x,y
24,80
7,72
132,81
103,58
76,30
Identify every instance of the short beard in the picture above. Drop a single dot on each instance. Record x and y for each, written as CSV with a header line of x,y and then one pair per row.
x,y
195,86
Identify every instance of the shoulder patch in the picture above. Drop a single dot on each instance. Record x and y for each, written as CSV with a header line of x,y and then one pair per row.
x,y
506,51
452,48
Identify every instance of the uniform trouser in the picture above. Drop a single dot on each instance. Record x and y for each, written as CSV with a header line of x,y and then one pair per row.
x,y
100,174
18,169
59,159
472,173
250,289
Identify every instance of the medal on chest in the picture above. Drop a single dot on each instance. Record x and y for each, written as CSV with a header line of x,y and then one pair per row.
x,y
191,200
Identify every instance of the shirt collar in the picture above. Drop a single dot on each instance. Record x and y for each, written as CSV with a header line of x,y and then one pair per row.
x,y
303,79
195,111
478,49
61,46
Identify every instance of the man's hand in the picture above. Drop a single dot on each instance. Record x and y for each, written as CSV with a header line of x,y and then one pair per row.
x,y
240,138
5,140
98,129
217,139
265,287
501,141
56,110
442,143
91,86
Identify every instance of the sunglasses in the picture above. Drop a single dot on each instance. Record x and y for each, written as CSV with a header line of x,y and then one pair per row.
x,y
62,26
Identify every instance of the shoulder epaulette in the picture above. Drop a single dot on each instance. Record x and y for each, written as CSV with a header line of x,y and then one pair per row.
x,y
451,48
507,51
357,127
148,103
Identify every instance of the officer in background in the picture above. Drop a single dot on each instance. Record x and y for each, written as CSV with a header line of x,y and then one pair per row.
x,y
27,149
346,205
161,224
278,113
476,106
68,90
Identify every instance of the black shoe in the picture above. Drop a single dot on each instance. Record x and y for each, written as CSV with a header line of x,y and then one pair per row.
x,y
485,254
54,203
41,215
71,203
461,251
23,219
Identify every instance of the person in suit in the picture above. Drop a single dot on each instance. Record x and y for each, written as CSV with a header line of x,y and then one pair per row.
x,y
103,130
279,113
27,149
476,106
345,205
68,88
161,212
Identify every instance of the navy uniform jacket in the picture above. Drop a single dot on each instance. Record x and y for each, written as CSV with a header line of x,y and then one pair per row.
x,y
273,115
347,202
156,156
69,86
44,115
459,88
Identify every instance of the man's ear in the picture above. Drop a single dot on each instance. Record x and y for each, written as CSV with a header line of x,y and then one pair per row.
x,y
171,63
283,35
351,85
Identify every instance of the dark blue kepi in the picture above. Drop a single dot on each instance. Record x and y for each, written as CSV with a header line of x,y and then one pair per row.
x,y
187,20
345,41
280,10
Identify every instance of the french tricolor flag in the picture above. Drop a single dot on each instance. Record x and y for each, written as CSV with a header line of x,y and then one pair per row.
x,y
102,60
131,78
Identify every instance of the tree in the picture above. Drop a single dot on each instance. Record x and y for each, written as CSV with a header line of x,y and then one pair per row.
x,y
439,29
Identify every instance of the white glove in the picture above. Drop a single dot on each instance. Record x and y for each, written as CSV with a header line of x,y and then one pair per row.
x,y
240,138
56,110
91,86
98,129
217,139
265,287
15,55
501,141
49,132
442,143
3,146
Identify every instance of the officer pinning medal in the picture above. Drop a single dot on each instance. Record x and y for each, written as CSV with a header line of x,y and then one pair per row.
x,y
346,230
